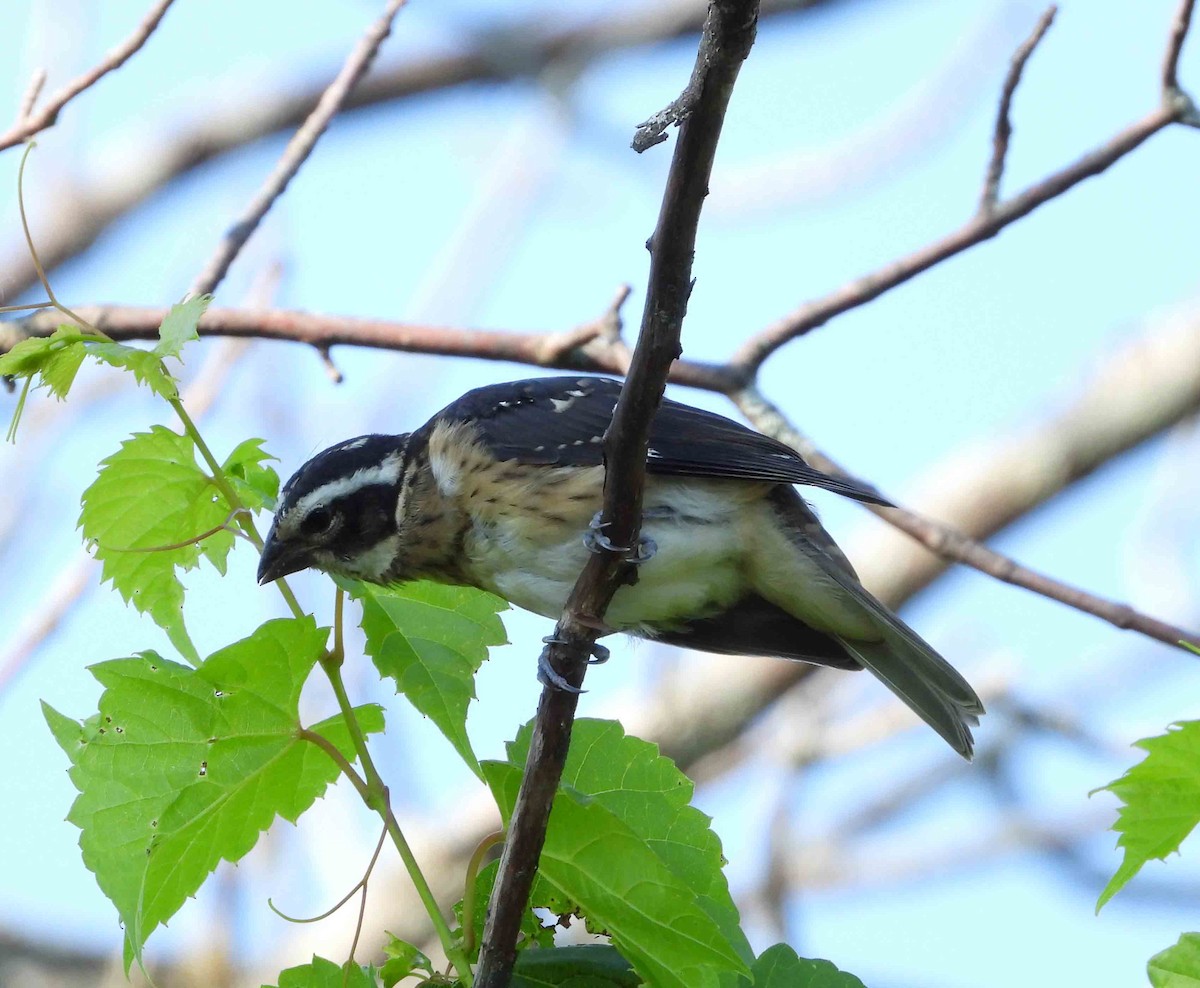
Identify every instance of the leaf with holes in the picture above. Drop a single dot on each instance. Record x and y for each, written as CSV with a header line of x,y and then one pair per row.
x,y
183,767
432,639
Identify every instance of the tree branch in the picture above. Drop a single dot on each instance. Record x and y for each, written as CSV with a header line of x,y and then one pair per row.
x,y
728,35
1003,128
297,151
32,122
524,48
1176,108
587,347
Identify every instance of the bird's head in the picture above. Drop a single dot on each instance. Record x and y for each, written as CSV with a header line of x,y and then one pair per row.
x,y
338,512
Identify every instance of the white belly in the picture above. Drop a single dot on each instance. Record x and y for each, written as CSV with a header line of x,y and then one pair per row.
x,y
696,571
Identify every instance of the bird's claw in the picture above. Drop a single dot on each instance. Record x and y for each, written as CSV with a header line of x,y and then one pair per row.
x,y
549,676
596,541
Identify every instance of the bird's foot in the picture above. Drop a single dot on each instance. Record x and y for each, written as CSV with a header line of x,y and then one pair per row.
x,y
596,541
549,676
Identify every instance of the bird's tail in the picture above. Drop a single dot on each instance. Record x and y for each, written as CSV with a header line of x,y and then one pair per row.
x,y
927,683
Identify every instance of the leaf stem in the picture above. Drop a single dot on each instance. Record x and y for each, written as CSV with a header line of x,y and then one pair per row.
x,y
244,518
469,897
375,794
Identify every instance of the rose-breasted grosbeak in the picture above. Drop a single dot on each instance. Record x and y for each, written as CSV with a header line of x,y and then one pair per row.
x,y
499,490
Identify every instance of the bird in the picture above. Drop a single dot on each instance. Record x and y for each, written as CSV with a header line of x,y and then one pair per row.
x,y
502,490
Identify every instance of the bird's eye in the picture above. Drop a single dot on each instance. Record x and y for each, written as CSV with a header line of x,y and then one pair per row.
x,y
317,521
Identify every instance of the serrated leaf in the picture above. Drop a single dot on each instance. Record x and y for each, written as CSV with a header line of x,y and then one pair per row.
x,y
179,326
649,794
432,639
531,932
779,967
579,966
653,917
1161,796
1178,966
257,486
321,973
147,496
403,960
146,366
183,767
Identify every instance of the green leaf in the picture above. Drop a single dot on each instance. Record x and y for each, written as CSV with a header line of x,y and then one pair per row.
x,y
593,858
32,356
403,959
1162,801
431,639
179,326
55,359
779,967
321,973
531,933
649,794
257,486
145,365
183,767
1177,966
582,966
150,495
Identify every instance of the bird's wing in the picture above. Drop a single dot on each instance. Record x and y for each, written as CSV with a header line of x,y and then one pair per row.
x,y
560,421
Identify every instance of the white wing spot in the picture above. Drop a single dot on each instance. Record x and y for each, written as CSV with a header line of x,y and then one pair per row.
x,y
562,404
653,454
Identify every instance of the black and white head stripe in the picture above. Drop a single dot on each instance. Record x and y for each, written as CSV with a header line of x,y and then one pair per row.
x,y
343,469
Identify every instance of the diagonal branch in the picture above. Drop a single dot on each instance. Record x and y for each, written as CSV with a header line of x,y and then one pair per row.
x,y
522,48
728,34
1176,108
297,150
33,122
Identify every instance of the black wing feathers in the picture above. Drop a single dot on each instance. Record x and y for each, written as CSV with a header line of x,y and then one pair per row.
x,y
560,421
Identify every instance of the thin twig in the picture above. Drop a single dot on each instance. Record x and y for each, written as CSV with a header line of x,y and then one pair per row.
x,y
297,151
523,48
1179,29
32,123
983,226
1003,128
34,90
728,35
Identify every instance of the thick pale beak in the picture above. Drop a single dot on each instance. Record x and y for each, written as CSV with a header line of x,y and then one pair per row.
x,y
279,559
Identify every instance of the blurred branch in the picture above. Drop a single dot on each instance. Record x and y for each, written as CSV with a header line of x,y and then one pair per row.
x,y
298,149
1151,386
1003,128
728,35
985,224
31,122
587,347
522,48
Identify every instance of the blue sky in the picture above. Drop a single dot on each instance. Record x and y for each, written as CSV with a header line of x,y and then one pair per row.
x,y
398,215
